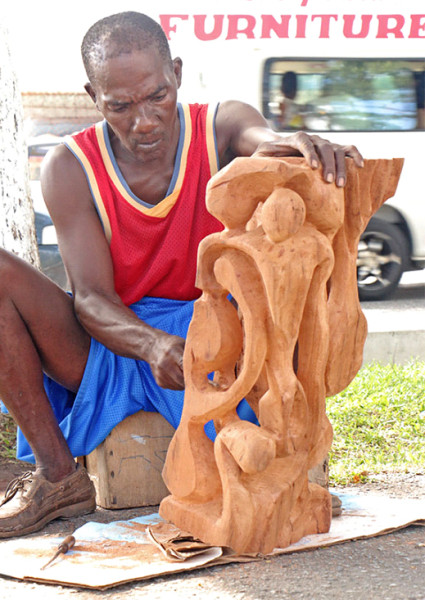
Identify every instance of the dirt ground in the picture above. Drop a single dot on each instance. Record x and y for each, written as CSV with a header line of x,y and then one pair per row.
x,y
389,567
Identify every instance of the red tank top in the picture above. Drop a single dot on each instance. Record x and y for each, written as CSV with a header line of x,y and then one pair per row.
x,y
154,248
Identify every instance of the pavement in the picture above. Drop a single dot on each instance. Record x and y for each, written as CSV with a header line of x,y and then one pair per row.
x,y
396,327
385,567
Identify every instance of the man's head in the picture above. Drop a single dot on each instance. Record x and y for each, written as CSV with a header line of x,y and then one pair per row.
x,y
118,34
133,82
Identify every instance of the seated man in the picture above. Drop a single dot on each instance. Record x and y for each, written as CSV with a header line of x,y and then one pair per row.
x,y
127,197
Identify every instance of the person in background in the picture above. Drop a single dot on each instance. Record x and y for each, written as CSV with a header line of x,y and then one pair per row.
x,y
289,116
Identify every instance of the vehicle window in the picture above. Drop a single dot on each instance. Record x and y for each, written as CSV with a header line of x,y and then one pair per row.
x,y
344,94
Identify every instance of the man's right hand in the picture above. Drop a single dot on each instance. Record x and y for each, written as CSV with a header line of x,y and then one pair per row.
x,y
166,361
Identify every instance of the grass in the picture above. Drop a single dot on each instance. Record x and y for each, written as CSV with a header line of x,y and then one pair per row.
x,y
379,423
7,437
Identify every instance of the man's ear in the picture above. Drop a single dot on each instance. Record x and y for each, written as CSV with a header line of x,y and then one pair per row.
x,y
178,66
89,89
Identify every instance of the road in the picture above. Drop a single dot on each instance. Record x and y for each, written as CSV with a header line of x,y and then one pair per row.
x,y
387,567
409,298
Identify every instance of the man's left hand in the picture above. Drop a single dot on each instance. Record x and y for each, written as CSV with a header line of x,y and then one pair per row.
x,y
316,151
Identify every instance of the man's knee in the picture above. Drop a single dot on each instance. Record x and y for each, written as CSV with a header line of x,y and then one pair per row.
x,y
7,260
12,269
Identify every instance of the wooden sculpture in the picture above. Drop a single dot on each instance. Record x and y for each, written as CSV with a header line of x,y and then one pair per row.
x,y
287,256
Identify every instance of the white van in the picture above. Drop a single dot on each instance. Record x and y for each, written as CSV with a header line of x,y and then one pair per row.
x,y
377,104
352,72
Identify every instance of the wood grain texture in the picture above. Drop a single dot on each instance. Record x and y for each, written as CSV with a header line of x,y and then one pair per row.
x,y
287,256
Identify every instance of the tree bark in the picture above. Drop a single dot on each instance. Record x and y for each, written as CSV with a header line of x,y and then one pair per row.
x,y
17,229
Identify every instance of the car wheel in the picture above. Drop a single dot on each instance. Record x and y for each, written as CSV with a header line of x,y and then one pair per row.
x,y
382,256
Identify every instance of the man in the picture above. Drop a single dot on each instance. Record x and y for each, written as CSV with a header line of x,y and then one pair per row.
x,y
127,200
289,116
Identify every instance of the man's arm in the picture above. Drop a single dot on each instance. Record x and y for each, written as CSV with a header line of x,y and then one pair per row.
x,y
88,263
243,131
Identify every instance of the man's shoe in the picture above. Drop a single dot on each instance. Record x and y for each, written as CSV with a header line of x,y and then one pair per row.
x,y
30,501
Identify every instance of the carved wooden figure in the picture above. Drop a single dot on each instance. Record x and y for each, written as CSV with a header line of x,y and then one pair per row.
x,y
287,256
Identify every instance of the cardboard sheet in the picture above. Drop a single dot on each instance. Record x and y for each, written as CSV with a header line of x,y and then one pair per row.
x,y
106,555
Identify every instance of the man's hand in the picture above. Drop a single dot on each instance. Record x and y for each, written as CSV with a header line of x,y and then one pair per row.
x,y
243,131
316,151
166,361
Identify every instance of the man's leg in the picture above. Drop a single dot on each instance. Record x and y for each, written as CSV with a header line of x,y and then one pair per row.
x,y
38,331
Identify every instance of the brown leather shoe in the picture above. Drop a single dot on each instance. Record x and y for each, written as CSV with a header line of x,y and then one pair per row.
x,y
31,501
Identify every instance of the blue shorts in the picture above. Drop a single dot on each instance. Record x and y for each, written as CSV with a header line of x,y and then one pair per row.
x,y
114,387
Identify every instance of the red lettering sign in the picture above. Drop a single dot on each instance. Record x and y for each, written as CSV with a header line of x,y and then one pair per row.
x,y
208,28
165,21
200,31
325,22
349,26
418,25
271,24
241,24
301,25
385,27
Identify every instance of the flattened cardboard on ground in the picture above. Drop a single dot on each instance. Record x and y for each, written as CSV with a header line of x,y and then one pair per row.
x,y
104,555
107,555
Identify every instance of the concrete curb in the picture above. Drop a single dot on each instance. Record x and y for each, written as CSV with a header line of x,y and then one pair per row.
x,y
397,347
396,327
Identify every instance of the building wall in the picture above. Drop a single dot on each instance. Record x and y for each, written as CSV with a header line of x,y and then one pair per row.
x,y
57,113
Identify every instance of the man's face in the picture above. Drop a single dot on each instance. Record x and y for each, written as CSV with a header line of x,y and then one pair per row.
x,y
137,95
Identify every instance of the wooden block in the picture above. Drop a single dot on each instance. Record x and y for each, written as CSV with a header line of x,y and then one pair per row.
x,y
126,467
320,474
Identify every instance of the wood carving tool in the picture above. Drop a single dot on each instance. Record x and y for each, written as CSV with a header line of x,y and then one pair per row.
x,y
63,548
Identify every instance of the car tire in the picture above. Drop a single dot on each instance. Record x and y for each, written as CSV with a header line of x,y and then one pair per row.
x,y
383,254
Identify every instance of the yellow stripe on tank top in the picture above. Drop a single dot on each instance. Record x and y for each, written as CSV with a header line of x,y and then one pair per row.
x,y
211,143
161,209
93,185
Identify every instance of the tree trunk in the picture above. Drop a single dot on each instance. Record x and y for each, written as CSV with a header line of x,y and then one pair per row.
x,y
17,230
